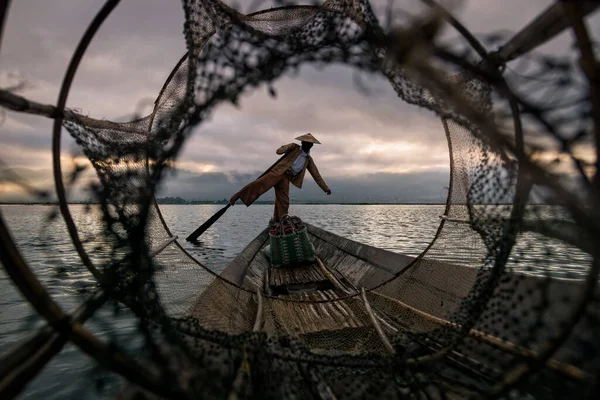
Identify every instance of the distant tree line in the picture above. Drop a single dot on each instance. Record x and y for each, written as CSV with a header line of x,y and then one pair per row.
x,y
180,200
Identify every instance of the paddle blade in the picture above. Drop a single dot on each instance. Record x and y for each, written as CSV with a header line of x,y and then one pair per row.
x,y
207,224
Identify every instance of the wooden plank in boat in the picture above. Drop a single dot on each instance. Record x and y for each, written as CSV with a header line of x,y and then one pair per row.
x,y
301,274
306,278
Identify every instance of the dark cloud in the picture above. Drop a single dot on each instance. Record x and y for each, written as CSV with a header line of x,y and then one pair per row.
x,y
24,174
415,187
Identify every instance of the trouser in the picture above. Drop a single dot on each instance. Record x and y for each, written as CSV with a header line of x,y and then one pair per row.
x,y
281,183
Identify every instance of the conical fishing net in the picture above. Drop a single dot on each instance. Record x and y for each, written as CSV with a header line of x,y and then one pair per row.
x,y
465,318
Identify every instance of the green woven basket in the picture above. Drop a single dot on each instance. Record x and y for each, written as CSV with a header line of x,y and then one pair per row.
x,y
291,248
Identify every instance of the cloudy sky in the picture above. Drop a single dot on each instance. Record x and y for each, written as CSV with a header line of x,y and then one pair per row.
x,y
375,148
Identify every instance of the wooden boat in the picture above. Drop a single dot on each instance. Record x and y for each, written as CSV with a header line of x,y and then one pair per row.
x,y
305,299
358,299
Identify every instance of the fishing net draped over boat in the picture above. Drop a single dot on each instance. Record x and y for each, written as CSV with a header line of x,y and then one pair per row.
x,y
391,327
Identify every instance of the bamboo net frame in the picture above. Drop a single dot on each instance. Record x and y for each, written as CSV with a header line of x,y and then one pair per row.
x,y
26,360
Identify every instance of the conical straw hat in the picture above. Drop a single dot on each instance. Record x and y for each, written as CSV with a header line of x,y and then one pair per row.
x,y
308,138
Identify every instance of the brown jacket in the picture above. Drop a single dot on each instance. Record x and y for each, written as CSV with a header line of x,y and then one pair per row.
x,y
293,151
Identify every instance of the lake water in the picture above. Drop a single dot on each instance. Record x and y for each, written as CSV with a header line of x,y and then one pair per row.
x,y
46,246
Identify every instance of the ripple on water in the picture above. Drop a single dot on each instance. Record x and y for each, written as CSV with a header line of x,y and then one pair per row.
x,y
406,229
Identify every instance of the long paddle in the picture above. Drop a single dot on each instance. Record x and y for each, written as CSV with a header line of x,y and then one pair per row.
x,y
202,228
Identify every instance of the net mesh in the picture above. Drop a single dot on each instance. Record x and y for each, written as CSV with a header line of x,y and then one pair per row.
x,y
464,318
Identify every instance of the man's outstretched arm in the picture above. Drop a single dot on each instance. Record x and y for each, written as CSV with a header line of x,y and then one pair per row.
x,y
285,148
312,168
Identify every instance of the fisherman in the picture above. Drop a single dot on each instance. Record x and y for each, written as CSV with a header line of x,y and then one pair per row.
x,y
290,168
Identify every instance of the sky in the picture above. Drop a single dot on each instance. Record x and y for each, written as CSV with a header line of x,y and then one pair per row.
x,y
374,147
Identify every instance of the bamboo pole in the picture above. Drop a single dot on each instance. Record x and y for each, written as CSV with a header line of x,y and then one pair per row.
x,y
163,246
589,65
21,104
544,27
335,281
38,297
375,322
25,361
4,6
259,312
504,345
20,375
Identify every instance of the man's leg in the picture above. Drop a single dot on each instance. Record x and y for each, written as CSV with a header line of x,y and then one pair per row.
x,y
254,190
282,197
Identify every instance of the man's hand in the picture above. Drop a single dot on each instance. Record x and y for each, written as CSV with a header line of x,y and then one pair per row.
x,y
328,192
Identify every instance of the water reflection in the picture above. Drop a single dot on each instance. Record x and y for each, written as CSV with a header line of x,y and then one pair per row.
x,y
47,247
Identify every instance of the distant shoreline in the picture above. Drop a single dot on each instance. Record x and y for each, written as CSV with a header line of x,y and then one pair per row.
x,y
222,203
